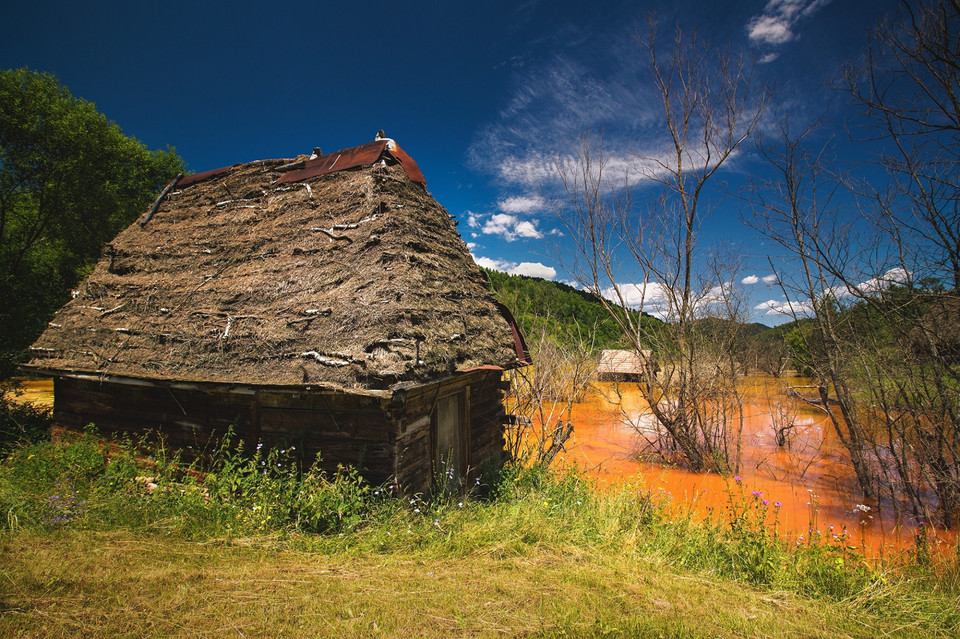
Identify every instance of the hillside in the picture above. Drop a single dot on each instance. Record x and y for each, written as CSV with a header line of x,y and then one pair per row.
x,y
565,314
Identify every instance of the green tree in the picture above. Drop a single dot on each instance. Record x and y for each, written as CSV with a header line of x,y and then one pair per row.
x,y
69,181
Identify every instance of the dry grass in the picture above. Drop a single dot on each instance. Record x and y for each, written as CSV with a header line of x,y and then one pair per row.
x,y
120,584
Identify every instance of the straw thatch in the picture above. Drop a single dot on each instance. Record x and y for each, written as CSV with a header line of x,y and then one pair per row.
x,y
355,279
620,365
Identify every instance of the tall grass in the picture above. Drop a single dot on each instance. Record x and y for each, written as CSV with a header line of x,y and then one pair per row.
x,y
265,497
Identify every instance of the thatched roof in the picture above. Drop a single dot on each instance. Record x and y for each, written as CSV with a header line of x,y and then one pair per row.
x,y
619,362
280,272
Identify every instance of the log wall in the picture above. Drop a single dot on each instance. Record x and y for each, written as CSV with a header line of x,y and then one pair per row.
x,y
385,437
341,428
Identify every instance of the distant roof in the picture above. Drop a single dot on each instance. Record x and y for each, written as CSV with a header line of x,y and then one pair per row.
x,y
263,274
622,362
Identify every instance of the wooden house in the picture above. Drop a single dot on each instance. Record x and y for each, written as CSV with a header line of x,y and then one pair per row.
x,y
625,366
327,304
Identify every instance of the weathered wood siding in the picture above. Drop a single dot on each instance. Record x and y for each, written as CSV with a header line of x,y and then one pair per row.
x,y
385,438
416,445
353,430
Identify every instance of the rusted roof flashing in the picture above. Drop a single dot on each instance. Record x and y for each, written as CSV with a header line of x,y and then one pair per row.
x,y
363,155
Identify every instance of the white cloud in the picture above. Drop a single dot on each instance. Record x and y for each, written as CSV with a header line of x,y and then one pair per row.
x,y
770,279
510,227
534,269
769,30
496,265
658,300
750,279
473,220
868,287
522,204
651,297
471,246
530,269
791,309
777,24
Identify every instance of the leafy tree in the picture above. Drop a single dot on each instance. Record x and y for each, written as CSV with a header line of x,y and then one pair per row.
x,y
69,181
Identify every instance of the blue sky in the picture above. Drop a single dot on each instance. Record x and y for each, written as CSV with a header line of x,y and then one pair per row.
x,y
483,95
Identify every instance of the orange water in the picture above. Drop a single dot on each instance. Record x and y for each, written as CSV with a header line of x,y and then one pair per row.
x,y
35,391
811,478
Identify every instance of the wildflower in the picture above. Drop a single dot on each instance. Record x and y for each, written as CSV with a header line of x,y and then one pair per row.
x,y
777,504
416,510
436,522
756,493
861,508
460,504
259,446
738,479
800,538
765,502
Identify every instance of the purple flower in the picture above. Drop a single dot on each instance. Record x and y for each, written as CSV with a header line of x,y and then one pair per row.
x,y
756,493
738,479
777,504
765,502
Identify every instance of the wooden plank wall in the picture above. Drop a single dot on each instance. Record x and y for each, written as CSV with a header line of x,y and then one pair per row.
x,y
384,439
416,442
352,430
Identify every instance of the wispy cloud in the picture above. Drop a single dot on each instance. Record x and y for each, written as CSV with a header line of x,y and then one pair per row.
x,y
592,86
778,22
769,279
602,87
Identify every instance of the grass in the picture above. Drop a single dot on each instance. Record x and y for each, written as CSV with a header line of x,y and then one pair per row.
x,y
102,541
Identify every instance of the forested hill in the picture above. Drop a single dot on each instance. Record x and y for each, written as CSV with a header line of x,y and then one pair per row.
x,y
555,310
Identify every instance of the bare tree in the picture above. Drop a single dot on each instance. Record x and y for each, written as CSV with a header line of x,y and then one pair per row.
x,y
708,110
908,90
881,342
795,208
541,398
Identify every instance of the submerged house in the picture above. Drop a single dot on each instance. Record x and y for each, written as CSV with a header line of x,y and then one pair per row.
x,y
625,366
325,303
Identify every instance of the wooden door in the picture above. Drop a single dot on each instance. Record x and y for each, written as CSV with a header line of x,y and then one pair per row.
x,y
452,428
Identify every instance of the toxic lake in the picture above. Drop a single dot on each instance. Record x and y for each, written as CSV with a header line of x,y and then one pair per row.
x,y
810,477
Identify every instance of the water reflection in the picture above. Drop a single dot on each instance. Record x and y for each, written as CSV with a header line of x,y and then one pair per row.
x,y
809,474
